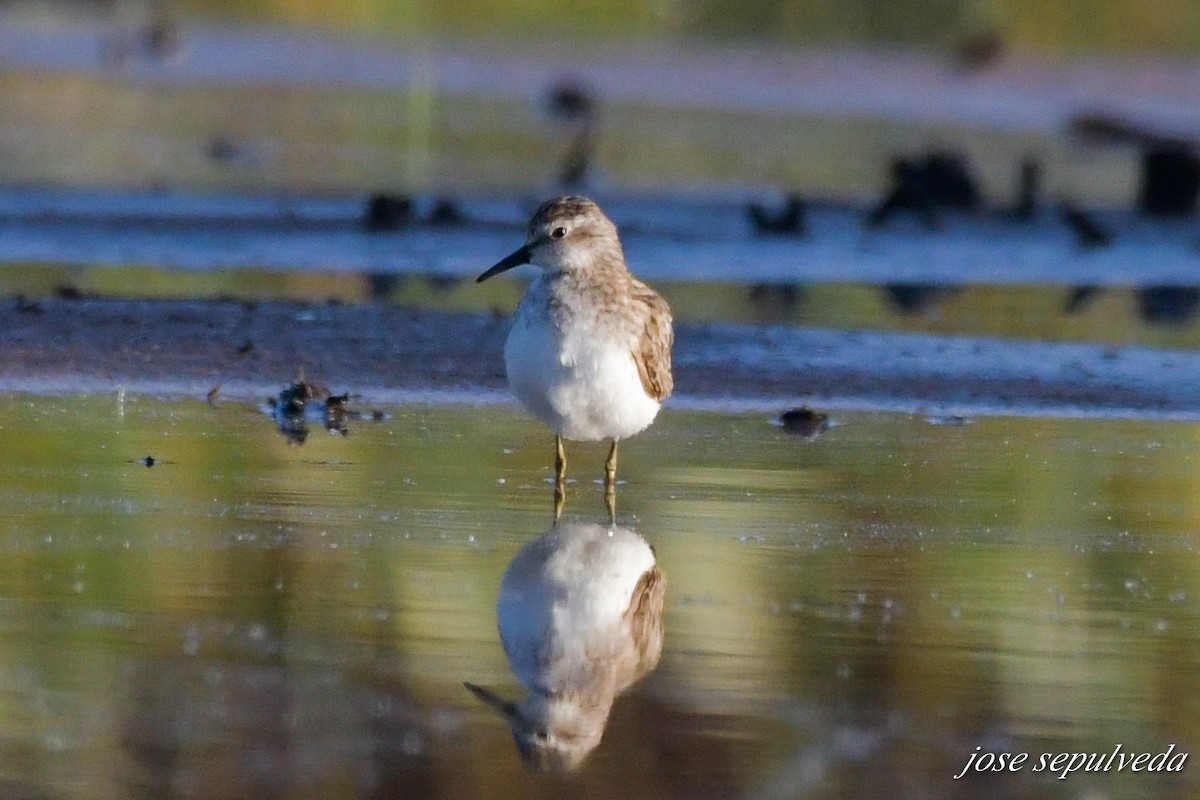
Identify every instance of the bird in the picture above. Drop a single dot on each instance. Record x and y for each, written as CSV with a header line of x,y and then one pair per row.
x,y
580,615
589,349
574,105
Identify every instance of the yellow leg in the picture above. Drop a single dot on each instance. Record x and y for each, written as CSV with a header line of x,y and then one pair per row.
x,y
610,481
560,461
610,466
560,476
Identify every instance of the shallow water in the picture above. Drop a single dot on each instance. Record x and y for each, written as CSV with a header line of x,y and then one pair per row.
x,y
846,616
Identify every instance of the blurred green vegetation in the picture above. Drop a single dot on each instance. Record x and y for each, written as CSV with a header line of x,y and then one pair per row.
x,y
1048,26
75,130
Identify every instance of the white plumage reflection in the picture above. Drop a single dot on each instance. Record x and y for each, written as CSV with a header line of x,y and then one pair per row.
x,y
580,616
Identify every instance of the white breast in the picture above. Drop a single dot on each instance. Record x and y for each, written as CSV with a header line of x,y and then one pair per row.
x,y
562,603
576,374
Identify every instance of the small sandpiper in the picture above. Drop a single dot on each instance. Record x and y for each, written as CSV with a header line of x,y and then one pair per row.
x,y
589,351
580,614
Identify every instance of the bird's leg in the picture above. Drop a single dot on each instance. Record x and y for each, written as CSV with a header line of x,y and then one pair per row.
x,y
610,466
610,481
560,461
560,476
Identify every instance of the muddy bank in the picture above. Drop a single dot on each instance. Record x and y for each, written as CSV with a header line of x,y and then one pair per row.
x,y
389,354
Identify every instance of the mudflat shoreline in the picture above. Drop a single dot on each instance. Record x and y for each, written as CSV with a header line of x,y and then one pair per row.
x,y
387,353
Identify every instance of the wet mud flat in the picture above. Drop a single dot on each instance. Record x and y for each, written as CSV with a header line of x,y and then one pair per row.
x,y
386,354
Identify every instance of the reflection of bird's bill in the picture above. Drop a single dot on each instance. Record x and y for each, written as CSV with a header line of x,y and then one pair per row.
x,y
505,707
514,259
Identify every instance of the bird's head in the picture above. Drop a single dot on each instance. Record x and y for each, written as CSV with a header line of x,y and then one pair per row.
x,y
553,734
566,234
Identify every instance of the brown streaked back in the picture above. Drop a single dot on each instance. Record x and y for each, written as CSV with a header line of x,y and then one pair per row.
x,y
653,356
645,617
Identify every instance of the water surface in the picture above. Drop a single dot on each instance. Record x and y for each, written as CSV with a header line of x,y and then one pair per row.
x,y
845,615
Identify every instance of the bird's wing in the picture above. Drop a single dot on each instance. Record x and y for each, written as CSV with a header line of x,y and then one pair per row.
x,y
645,618
653,353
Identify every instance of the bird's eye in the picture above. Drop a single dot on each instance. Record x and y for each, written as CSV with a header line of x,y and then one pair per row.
x,y
558,233
542,735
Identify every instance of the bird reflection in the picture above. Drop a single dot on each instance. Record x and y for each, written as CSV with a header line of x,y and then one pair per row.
x,y
580,617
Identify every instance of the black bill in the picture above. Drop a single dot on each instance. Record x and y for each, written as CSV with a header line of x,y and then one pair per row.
x,y
508,262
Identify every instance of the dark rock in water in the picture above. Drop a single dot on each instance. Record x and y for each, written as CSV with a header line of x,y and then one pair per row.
x,y
1080,296
788,221
387,212
947,180
906,194
1170,182
1089,234
804,422
912,298
1168,304
939,179
66,291
303,402
446,212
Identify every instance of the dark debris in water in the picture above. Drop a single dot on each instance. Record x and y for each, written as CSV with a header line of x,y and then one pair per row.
x,y
387,212
922,185
804,422
150,461
446,212
786,221
393,212
917,298
68,292
303,403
